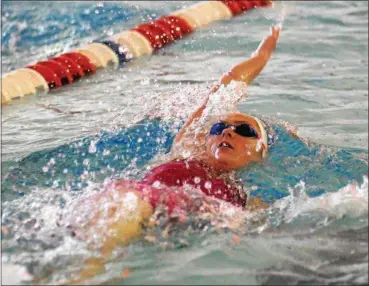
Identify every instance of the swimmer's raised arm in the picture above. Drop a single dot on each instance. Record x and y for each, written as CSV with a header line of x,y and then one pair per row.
x,y
249,69
245,72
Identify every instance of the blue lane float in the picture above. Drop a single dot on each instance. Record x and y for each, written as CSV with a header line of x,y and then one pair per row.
x,y
118,50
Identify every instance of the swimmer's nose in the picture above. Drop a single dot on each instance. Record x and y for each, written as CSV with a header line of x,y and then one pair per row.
x,y
227,132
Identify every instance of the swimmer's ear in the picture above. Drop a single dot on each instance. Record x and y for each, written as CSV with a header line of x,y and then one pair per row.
x,y
261,147
264,153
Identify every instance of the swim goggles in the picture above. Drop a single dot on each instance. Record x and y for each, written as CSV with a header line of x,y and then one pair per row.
x,y
243,129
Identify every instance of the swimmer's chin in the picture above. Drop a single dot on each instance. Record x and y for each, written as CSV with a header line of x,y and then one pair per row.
x,y
223,162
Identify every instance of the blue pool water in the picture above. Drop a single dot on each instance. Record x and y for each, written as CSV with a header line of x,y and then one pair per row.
x,y
66,164
316,228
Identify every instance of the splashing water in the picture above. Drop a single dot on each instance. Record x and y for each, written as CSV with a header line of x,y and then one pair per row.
x,y
315,230
32,222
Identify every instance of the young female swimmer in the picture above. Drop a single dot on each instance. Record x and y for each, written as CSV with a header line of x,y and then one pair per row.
x,y
232,142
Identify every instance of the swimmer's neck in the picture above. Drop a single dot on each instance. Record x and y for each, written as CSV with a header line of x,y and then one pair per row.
x,y
213,171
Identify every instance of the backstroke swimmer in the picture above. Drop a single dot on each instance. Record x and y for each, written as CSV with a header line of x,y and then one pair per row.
x,y
230,143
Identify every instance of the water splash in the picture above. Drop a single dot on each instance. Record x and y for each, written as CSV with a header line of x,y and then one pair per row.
x,y
298,210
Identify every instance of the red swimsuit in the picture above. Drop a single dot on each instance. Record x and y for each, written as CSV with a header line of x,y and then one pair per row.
x,y
177,174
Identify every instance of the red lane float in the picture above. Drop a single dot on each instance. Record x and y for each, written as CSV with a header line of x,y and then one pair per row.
x,y
139,41
233,6
167,33
75,70
82,61
48,74
164,30
178,27
237,7
153,33
59,69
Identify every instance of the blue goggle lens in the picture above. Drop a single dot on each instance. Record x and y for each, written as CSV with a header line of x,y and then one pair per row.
x,y
244,130
218,128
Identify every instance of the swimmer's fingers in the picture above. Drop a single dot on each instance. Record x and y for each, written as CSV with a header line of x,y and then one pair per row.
x,y
275,30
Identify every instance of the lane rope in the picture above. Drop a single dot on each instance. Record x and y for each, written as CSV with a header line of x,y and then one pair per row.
x,y
118,49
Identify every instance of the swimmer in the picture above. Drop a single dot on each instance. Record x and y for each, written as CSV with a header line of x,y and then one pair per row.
x,y
232,142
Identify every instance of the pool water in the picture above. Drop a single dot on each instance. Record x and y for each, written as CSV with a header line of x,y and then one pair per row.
x,y
317,80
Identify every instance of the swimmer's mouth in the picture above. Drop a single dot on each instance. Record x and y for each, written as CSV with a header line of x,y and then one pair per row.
x,y
225,144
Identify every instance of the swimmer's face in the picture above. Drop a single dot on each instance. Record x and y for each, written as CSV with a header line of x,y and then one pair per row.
x,y
232,146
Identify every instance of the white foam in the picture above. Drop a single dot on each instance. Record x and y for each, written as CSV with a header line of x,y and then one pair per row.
x,y
12,274
351,200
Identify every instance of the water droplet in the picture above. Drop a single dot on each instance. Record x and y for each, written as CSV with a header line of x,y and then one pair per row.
x,y
92,147
259,145
55,184
145,81
129,56
208,185
186,153
156,184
